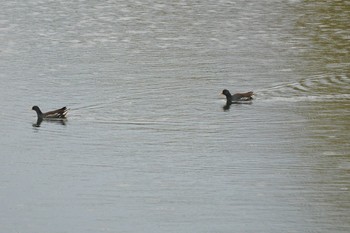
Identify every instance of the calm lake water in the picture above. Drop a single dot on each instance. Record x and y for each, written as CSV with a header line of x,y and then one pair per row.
x,y
148,146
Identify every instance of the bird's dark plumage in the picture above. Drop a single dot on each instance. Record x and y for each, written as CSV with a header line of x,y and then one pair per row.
x,y
246,96
55,114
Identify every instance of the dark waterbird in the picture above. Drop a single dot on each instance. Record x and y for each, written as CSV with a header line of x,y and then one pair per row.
x,y
238,98
55,114
245,96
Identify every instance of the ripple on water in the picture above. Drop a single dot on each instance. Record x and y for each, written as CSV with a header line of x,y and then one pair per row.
x,y
319,88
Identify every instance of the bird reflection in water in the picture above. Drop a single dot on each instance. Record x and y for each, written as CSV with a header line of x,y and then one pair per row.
x,y
56,121
228,104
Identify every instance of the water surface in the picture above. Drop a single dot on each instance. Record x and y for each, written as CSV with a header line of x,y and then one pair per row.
x,y
148,146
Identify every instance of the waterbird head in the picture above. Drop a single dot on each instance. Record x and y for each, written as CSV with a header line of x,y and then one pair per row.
x,y
226,93
37,109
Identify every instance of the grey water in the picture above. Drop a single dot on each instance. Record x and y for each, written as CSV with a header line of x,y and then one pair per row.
x,y
149,145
